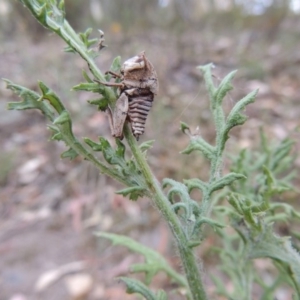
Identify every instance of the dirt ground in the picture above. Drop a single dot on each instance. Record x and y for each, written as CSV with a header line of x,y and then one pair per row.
x,y
50,208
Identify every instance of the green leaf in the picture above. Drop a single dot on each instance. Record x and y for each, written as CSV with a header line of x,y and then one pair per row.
x,y
279,249
113,157
184,127
214,224
95,146
102,103
64,117
115,68
116,64
225,181
235,117
197,143
195,183
120,151
30,100
201,221
224,87
177,188
71,153
152,258
134,192
146,145
89,87
244,208
280,153
49,95
208,80
56,134
85,38
135,286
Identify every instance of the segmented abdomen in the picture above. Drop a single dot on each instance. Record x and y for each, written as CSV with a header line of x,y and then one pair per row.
x,y
140,103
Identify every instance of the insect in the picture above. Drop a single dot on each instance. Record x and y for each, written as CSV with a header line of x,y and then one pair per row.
x,y
137,87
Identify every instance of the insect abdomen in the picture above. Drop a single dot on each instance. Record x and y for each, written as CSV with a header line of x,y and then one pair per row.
x,y
139,107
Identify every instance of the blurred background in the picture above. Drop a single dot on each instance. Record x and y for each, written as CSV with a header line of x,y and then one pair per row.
x,y
49,208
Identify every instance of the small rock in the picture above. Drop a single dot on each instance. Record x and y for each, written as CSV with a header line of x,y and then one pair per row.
x,y
79,285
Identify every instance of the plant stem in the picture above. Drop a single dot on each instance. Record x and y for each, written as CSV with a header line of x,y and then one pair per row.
x,y
161,202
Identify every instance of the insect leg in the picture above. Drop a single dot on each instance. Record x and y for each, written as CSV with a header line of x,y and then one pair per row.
x,y
114,84
113,74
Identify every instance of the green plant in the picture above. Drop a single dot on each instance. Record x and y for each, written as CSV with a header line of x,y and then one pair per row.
x,y
250,208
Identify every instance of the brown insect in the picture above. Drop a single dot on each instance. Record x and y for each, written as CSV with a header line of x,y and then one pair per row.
x,y
137,88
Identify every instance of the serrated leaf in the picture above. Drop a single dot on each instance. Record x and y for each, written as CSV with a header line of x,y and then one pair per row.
x,y
225,181
115,68
134,192
95,146
279,249
177,188
85,38
288,209
120,151
214,224
110,154
116,64
224,87
146,145
190,206
102,103
281,152
69,49
235,117
64,117
199,144
89,86
30,100
136,286
195,183
152,258
49,95
234,201
69,154
208,80
56,134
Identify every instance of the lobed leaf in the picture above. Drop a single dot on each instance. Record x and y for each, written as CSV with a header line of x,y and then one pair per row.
x,y
102,103
195,183
235,117
137,287
30,100
152,258
71,153
224,87
226,180
95,146
146,145
133,192
89,87
208,80
199,144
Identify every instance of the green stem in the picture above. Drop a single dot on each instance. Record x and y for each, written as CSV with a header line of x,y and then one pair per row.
x,y
188,259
